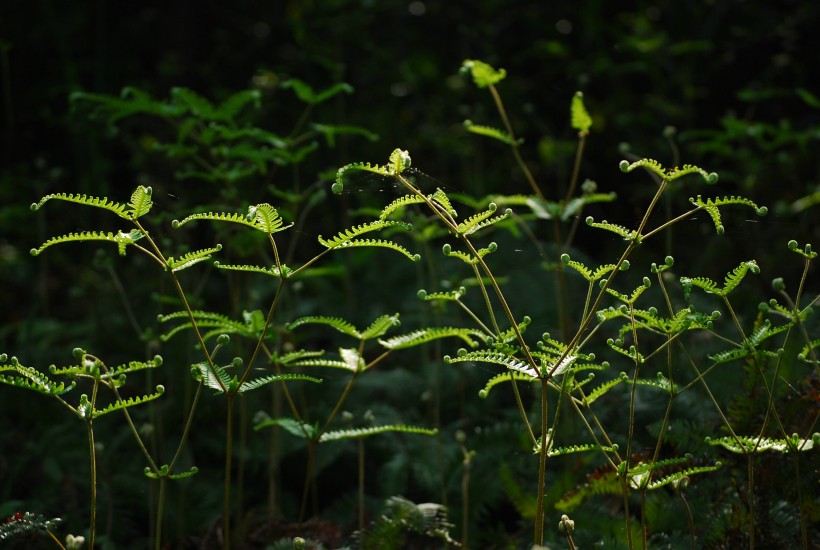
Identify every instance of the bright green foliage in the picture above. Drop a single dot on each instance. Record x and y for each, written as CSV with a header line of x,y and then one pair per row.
x,y
359,433
273,271
191,258
130,402
627,234
732,280
422,336
29,378
217,323
749,445
402,517
711,206
482,220
483,74
669,174
377,328
490,132
139,204
487,356
121,238
579,117
218,378
262,217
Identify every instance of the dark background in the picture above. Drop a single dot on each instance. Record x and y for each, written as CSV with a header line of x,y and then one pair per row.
x,y
727,75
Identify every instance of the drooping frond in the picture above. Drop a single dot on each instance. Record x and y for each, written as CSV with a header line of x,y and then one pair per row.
x,y
98,202
379,243
711,207
501,378
121,238
482,219
731,281
359,433
677,476
306,93
425,335
498,358
348,235
191,258
165,468
272,270
128,403
220,324
491,132
262,217
483,74
29,378
337,323
627,234
579,117
670,174
380,325
605,387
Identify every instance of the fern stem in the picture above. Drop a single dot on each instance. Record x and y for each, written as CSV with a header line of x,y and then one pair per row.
x,y
360,445
228,456
163,481
576,167
750,500
542,467
92,452
689,518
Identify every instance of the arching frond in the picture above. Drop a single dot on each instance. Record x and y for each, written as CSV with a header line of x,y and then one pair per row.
x,y
677,476
348,235
28,378
731,281
128,403
425,335
381,325
249,385
191,258
582,448
379,243
743,444
627,234
498,358
98,202
272,270
604,388
448,296
501,378
262,217
632,353
121,238
399,203
358,433
337,323
491,132
586,272
481,220
441,198
670,174
711,207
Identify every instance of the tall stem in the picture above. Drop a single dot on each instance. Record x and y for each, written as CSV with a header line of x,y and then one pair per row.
x,y
228,452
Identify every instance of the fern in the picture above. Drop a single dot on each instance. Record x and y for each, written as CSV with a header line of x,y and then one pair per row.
x,y
256,383
448,296
481,220
483,74
359,433
627,234
191,258
98,202
262,217
468,259
348,235
583,448
678,476
747,444
486,356
441,198
380,326
502,378
337,323
381,244
711,207
140,202
731,281
128,403
670,174
399,203
425,335
307,94
291,425
579,117
586,272
121,238
164,473
30,379
490,132
604,388
274,271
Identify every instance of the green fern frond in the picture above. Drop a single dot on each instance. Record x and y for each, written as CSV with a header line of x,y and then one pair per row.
x,y
711,207
291,425
293,356
98,202
341,173
128,403
121,238
193,103
380,243
579,117
425,335
337,323
806,252
398,162
442,199
668,175
262,217
574,205
807,353
483,74
29,378
205,319
448,296
202,372
272,270
132,366
165,468
191,258
747,444
731,281
627,234
380,326
599,483
348,235
677,476
234,104
321,362
399,203
481,220
632,353
583,448
487,356
510,335
586,272
604,388
501,378
632,298
140,202
358,433
265,380
491,132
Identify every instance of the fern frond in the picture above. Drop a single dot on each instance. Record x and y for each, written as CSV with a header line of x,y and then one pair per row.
x,y
272,270
597,484
586,272
291,425
510,335
337,323
574,205
288,358
341,173
121,238
98,202
711,207
398,162
632,353
133,366
379,243
635,293
425,335
262,217
675,173
234,104
483,74
321,362
806,252
486,356
731,281
202,372
29,378
130,402
265,380
579,117
583,448
399,203
627,234
193,103
677,476
306,93
358,433
191,258
165,468
441,198
668,175
205,319
348,235
140,202
482,219
605,387
448,296
491,132
501,378
468,259
807,353
743,444
381,325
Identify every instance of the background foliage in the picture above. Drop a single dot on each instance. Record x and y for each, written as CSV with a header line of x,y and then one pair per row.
x,y
734,79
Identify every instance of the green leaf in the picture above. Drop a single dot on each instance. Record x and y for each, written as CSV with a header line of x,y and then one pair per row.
x,y
30,379
121,238
128,403
337,323
490,132
291,425
380,326
579,116
140,202
265,380
487,356
425,335
483,74
359,433
97,202
191,258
